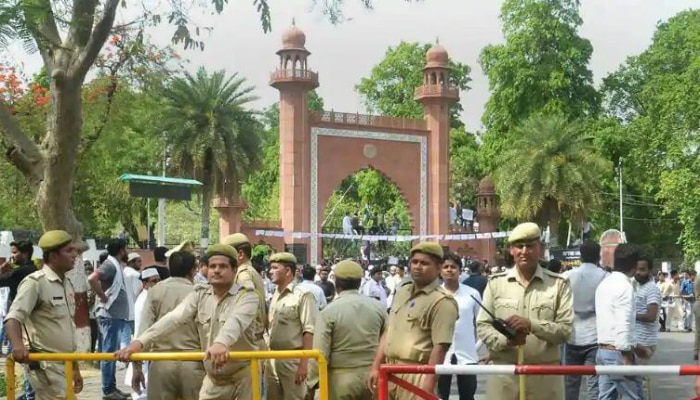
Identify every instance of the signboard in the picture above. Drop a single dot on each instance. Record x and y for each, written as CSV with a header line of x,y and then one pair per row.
x,y
568,257
157,191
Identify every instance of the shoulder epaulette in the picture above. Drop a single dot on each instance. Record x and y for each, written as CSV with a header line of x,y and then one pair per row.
x,y
498,275
35,276
199,287
445,292
553,274
407,283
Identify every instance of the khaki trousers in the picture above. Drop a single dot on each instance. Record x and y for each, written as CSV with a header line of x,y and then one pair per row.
x,y
398,393
234,387
504,387
280,376
171,380
349,384
49,382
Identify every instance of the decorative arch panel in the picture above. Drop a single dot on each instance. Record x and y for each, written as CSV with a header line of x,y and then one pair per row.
x,y
339,153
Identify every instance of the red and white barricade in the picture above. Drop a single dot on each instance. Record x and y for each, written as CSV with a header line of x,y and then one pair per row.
x,y
387,373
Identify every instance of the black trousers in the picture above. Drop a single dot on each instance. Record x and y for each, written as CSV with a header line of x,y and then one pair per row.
x,y
466,384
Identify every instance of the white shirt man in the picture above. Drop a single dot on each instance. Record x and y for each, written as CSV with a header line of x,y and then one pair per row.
x,y
373,287
347,225
615,320
463,349
313,288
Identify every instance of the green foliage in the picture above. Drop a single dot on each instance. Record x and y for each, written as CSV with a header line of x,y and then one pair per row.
x,y
465,170
552,169
210,134
654,95
391,86
542,69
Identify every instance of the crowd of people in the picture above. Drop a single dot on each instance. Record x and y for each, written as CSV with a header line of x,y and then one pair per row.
x,y
427,312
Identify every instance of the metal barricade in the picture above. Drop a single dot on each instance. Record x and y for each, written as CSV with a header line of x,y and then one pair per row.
x,y
386,373
253,356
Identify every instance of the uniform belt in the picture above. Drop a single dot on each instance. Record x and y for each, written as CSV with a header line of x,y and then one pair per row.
x,y
400,362
607,346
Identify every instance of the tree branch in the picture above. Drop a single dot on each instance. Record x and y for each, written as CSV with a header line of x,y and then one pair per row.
x,y
81,24
44,30
111,91
98,37
22,152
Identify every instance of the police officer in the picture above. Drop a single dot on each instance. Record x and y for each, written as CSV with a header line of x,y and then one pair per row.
x,y
169,380
536,303
292,318
224,315
247,273
348,341
421,322
44,308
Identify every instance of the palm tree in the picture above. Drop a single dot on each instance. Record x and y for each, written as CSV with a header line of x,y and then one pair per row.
x,y
551,169
212,137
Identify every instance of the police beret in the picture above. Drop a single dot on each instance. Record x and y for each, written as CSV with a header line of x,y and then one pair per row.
x,y
525,232
53,240
186,246
221,250
348,269
431,248
236,239
283,257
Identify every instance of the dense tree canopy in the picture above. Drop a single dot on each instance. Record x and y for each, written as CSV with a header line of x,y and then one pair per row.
x,y
542,68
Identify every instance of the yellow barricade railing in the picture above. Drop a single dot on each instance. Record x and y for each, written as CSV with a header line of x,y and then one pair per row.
x,y
254,356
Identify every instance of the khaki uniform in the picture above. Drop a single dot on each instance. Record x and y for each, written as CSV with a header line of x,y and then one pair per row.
x,y
418,321
246,273
45,305
349,343
229,322
168,380
547,303
292,313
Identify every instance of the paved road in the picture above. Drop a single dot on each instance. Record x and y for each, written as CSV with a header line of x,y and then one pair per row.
x,y
674,349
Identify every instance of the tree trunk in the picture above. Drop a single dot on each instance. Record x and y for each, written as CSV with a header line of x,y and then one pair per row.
x,y
554,218
54,195
206,203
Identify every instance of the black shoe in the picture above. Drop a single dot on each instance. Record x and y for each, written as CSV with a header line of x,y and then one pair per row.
x,y
125,395
114,396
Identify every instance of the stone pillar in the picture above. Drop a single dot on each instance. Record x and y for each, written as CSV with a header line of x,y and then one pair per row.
x,y
230,216
488,216
294,80
437,94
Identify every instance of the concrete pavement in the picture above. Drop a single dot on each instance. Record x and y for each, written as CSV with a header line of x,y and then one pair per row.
x,y
674,348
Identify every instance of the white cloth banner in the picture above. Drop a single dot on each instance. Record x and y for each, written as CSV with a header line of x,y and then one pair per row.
x,y
390,238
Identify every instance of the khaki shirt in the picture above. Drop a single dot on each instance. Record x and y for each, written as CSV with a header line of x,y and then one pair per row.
x,y
292,313
348,330
162,298
418,321
45,305
246,273
546,302
228,322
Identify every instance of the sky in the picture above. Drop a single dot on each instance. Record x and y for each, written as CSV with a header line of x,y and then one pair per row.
x,y
343,54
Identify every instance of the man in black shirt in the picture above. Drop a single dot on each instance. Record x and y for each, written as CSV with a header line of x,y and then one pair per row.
x,y
160,258
475,279
17,267
327,286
